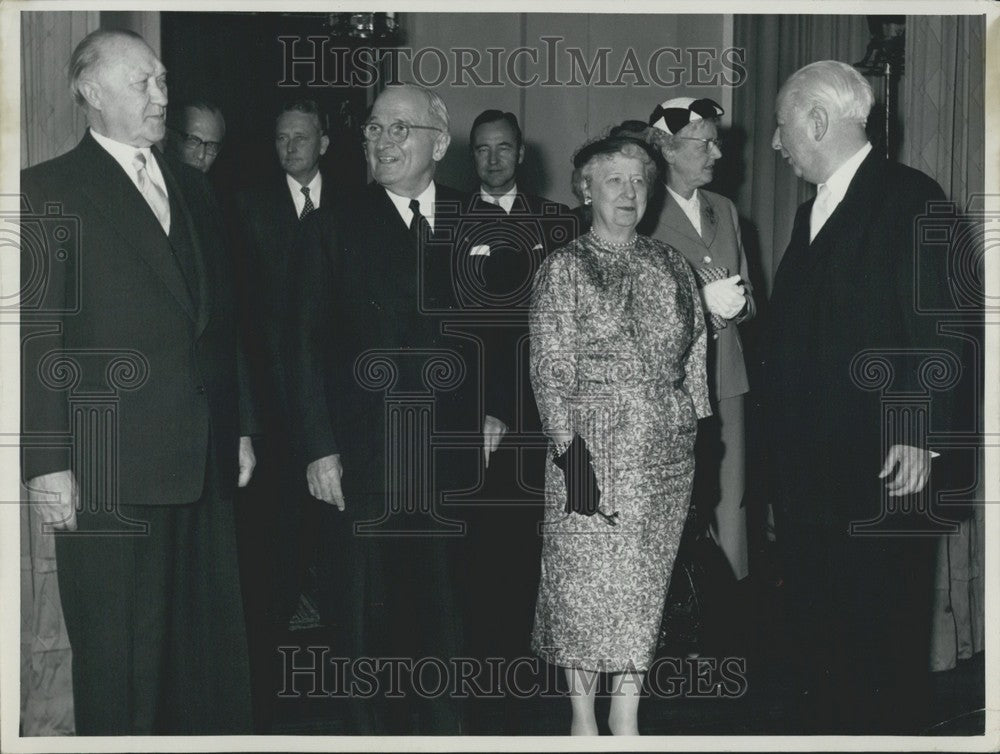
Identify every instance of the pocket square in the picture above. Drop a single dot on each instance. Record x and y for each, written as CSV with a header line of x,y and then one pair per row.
x,y
480,250
537,247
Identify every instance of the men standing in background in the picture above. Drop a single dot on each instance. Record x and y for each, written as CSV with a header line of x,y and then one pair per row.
x,y
139,316
281,524
195,134
705,228
844,314
511,233
374,293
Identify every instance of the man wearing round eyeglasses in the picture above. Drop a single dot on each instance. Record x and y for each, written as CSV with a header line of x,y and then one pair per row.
x,y
196,137
705,228
375,294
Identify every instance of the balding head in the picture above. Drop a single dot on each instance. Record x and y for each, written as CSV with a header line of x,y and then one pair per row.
x,y
821,111
835,86
122,85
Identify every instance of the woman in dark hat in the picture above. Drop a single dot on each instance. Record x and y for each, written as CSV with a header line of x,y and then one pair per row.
x,y
618,367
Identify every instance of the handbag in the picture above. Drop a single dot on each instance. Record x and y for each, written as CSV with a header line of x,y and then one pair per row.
x,y
701,587
583,494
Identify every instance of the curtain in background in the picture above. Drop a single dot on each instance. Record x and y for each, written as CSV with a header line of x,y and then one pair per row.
x,y
51,123
776,46
944,136
944,88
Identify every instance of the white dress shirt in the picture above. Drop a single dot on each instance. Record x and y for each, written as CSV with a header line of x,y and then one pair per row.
x,y
506,201
691,207
831,193
315,187
426,199
124,155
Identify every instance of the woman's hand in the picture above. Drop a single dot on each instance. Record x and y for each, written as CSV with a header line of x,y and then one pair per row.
x,y
724,298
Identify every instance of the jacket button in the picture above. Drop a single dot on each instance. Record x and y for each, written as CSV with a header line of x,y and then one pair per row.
x,y
715,336
200,390
707,259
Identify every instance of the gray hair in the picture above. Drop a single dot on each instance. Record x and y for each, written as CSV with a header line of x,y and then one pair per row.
x,y
835,86
590,154
89,54
437,110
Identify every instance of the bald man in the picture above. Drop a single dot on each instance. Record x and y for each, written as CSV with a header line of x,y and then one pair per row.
x,y
138,323
844,314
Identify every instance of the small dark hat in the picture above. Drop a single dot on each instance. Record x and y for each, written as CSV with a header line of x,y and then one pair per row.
x,y
671,116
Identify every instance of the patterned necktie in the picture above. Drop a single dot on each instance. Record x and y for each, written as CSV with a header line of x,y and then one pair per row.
x,y
308,206
820,211
155,196
419,227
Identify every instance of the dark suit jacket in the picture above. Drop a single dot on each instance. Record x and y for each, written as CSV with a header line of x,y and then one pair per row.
x,y
855,287
363,284
504,252
265,228
113,298
719,246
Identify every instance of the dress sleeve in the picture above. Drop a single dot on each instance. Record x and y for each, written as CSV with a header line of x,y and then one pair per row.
x,y
695,368
553,357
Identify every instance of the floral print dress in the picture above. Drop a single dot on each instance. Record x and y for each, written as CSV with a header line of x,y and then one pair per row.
x,y
618,345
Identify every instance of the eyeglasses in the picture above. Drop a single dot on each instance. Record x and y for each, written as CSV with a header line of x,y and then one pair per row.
x,y
193,143
397,132
706,144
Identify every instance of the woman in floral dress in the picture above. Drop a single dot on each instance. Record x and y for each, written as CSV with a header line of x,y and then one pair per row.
x,y
617,358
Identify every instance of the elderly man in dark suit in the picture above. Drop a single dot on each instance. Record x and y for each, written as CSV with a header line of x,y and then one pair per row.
x,y
704,227
139,318
377,373
846,321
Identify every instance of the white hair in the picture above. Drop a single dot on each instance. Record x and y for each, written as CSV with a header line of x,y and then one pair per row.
x,y
835,86
437,110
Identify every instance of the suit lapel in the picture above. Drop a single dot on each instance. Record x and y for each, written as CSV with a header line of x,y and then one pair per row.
x,y
675,218
286,205
203,283
855,205
521,205
112,192
709,222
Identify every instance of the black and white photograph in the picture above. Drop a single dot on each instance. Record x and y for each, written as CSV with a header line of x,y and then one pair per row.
x,y
488,376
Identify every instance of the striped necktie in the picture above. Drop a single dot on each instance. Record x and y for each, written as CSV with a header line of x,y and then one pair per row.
x,y
155,196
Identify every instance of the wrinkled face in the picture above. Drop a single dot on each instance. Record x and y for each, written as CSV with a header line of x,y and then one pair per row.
x,y
692,163
405,168
300,143
618,193
208,129
127,93
793,138
497,155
